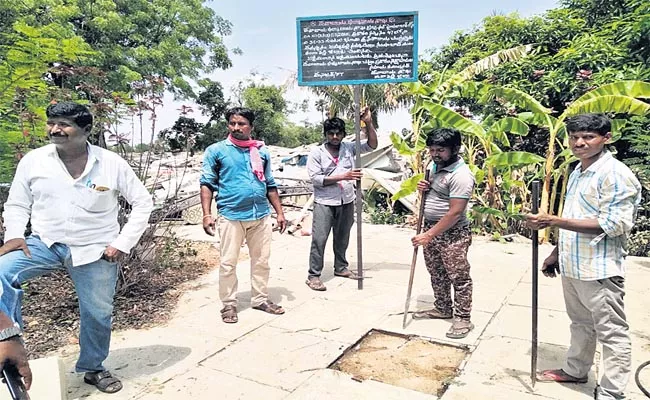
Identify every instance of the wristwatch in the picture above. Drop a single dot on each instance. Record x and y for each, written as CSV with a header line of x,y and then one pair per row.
x,y
10,332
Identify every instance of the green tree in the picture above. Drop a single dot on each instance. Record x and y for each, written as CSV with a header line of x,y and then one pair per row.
x,y
176,40
270,109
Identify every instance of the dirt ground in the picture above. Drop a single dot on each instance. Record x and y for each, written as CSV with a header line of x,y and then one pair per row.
x,y
51,309
411,363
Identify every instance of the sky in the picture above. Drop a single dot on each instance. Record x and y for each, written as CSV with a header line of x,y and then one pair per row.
x,y
266,33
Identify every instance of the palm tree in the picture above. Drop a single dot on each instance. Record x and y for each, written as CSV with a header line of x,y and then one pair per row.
x,y
321,104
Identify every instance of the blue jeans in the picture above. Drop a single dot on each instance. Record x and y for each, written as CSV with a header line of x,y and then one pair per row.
x,y
95,285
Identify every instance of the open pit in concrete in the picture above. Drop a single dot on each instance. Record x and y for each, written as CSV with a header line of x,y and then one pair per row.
x,y
407,361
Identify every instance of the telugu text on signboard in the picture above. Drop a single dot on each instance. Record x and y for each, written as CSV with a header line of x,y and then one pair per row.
x,y
357,49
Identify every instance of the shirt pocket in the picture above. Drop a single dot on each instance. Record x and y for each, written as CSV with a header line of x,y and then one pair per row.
x,y
97,201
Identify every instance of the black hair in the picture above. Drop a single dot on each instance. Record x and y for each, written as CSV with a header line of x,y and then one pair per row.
x,y
598,123
242,112
445,137
333,124
76,112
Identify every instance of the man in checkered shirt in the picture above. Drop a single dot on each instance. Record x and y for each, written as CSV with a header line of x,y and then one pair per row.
x,y
600,207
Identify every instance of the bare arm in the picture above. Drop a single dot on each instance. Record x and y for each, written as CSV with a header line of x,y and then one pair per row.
x,y
209,222
13,352
456,209
541,221
274,198
370,128
351,175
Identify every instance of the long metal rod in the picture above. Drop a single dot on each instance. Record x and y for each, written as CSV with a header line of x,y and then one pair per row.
x,y
535,272
357,162
414,260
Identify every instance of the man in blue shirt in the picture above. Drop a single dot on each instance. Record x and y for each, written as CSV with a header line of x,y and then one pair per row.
x,y
238,169
602,198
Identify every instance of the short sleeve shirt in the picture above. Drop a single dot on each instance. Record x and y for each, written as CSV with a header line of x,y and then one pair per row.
x,y
453,181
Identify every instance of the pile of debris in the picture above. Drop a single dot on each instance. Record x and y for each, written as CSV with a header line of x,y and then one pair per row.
x,y
175,183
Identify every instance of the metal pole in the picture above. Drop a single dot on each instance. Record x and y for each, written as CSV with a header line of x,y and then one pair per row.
x,y
357,147
414,260
535,272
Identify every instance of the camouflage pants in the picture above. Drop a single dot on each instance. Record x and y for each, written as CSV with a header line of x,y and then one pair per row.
x,y
446,261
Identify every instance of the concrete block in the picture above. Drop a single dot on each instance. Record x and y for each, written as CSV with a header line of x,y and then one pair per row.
x,y
336,385
206,383
515,322
276,357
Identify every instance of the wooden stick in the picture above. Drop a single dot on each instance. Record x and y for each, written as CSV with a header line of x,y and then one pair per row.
x,y
418,229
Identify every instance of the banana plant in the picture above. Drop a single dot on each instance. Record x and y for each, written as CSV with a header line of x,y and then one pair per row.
x,y
622,97
429,111
487,139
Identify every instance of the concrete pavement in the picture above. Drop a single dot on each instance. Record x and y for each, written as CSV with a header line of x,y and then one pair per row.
x,y
195,355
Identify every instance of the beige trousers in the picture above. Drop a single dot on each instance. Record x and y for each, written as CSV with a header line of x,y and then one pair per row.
x,y
258,239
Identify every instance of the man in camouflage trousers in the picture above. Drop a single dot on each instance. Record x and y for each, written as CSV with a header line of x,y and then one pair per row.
x,y
447,236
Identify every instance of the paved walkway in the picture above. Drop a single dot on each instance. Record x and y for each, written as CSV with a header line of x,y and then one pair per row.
x,y
196,356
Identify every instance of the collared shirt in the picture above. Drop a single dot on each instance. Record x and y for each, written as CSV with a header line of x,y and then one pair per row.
x,y
610,192
321,164
80,213
455,181
227,171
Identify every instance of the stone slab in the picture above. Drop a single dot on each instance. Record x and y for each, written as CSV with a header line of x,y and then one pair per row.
x,y
336,385
206,383
276,357
515,322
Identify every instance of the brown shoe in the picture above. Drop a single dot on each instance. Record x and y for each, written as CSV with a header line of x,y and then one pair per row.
x,y
346,273
229,314
315,283
433,313
459,329
269,307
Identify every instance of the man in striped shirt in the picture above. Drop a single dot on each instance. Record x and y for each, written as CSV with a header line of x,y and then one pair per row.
x,y
600,207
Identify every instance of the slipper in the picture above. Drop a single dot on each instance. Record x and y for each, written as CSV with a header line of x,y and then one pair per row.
x,y
433,313
346,273
459,329
558,375
103,381
270,308
229,314
315,283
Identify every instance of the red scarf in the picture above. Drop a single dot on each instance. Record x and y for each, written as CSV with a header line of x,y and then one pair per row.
x,y
256,159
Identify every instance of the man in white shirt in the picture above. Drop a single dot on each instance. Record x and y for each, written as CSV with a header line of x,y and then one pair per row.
x,y
69,191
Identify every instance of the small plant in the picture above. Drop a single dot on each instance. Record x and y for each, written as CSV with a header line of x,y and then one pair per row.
x,y
379,209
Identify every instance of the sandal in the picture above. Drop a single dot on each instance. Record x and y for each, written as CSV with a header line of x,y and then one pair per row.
x,y
558,375
229,314
270,308
459,329
434,313
346,273
315,283
103,381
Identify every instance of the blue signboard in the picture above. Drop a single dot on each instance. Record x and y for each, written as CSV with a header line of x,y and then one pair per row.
x,y
357,49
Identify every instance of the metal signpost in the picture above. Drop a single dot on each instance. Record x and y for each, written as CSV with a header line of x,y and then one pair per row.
x,y
535,270
356,50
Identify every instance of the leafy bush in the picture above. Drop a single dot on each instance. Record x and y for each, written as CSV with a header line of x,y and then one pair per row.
x,y
380,211
639,241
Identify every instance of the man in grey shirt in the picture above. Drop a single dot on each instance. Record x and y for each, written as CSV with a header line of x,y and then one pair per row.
x,y
447,235
331,169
